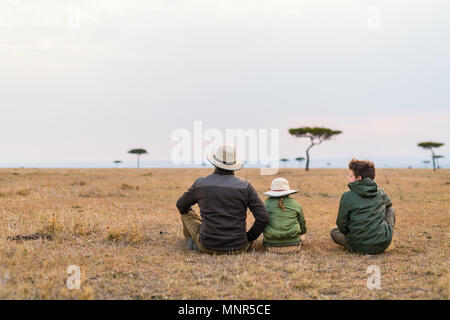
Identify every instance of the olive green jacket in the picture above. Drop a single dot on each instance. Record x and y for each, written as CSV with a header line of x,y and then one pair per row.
x,y
361,217
284,227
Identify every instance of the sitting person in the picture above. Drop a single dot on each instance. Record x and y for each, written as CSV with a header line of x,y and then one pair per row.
x,y
286,220
366,218
223,199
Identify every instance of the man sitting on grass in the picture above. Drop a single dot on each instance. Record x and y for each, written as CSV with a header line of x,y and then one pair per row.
x,y
223,199
366,218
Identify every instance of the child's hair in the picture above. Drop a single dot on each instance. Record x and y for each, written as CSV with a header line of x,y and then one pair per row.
x,y
362,168
280,204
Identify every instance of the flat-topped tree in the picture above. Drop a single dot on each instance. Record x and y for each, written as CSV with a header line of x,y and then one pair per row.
x,y
300,159
317,135
430,146
138,152
284,160
117,162
437,157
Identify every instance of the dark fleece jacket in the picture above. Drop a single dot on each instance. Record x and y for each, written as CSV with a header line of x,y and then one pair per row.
x,y
223,199
361,217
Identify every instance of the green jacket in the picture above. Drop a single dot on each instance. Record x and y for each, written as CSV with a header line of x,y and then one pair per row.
x,y
361,217
284,227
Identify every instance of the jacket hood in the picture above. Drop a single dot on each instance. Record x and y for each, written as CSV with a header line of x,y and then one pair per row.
x,y
365,187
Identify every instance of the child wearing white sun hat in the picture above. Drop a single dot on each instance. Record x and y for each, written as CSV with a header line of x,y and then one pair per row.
x,y
286,222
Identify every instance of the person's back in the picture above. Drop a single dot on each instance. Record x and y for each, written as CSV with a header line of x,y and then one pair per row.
x,y
223,200
365,205
285,225
366,218
286,220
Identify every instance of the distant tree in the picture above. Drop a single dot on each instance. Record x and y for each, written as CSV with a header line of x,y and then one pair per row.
x,y
300,160
117,162
429,145
138,152
284,160
317,135
437,157
426,163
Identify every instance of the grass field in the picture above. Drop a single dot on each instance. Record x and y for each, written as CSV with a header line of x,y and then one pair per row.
x,y
121,227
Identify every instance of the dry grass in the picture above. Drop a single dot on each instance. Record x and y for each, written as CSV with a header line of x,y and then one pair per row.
x,y
122,228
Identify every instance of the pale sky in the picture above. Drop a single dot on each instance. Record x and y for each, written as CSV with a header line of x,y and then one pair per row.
x,y
133,71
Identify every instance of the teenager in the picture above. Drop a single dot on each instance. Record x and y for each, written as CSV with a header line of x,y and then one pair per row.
x,y
366,218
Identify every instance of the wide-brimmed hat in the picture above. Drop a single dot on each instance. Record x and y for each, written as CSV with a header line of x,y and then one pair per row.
x,y
224,157
280,188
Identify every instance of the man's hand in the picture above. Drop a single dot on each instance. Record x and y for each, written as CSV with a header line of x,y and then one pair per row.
x,y
303,237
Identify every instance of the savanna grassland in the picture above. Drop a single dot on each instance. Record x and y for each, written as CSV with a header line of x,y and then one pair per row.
x,y
121,227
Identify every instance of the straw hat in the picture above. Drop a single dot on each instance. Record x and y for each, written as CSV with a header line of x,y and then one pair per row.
x,y
280,188
224,157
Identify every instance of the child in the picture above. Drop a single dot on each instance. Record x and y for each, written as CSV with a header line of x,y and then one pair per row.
x,y
286,221
366,218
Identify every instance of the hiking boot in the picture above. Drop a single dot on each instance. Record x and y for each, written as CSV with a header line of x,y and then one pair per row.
x,y
191,244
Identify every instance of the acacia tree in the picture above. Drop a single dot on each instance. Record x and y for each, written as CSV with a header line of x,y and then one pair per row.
x,y
138,152
429,145
117,162
437,157
300,159
284,160
317,135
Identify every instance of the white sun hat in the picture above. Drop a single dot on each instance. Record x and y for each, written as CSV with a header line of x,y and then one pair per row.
x,y
280,188
224,157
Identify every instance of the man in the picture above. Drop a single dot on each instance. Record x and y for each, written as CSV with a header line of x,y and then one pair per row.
x,y
366,217
223,199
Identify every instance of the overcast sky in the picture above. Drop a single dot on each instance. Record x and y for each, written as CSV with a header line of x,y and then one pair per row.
x,y
126,74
